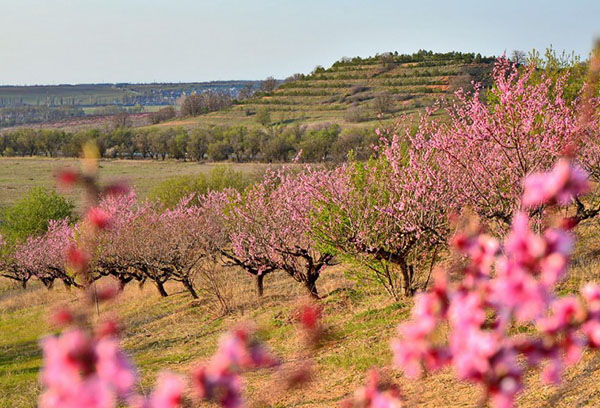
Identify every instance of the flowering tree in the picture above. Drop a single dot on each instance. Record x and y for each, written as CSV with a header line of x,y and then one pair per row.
x,y
270,226
387,214
116,249
42,257
506,284
485,150
238,249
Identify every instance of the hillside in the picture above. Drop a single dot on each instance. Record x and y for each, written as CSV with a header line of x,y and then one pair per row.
x,y
356,92
175,333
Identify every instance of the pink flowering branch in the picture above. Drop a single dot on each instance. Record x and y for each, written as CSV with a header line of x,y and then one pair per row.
x,y
504,284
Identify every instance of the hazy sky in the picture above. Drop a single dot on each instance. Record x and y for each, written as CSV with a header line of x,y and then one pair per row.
x,y
83,41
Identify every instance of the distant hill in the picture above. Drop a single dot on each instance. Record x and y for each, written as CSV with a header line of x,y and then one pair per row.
x,y
87,95
357,91
353,92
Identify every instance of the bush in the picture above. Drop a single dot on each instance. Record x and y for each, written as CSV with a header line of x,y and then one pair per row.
x,y
162,115
171,191
384,103
356,115
263,116
31,215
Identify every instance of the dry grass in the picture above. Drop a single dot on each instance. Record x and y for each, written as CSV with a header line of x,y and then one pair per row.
x,y
176,332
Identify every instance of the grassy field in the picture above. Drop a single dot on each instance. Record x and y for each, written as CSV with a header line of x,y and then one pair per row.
x,y
175,333
19,175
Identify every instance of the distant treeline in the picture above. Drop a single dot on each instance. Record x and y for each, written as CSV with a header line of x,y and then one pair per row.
x,y
419,56
37,114
236,143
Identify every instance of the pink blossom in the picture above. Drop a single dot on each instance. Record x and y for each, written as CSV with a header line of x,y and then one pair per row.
x,y
220,385
98,218
114,367
591,294
592,331
561,185
92,393
169,391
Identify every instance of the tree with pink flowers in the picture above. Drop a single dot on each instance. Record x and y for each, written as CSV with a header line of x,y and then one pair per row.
x,y
484,150
387,215
42,257
505,283
270,226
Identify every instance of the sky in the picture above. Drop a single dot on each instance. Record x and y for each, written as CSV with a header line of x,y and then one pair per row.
x,y
93,41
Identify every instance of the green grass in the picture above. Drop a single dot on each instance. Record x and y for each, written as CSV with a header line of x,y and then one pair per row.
x,y
176,333
19,175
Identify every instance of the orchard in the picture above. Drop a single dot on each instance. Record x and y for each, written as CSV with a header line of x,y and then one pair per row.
x,y
499,184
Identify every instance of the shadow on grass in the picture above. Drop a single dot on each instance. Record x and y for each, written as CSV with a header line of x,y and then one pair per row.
x,y
14,355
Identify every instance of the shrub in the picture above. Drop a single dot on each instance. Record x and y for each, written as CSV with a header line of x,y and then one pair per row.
x,y
356,115
31,215
162,115
170,192
263,116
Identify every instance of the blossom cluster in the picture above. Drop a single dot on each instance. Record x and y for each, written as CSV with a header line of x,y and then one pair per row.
x,y
506,284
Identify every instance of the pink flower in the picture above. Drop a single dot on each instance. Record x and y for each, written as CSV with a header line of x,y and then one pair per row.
x,y
67,178
92,393
77,259
591,294
114,367
62,317
592,331
503,396
565,311
374,395
238,350
67,358
220,385
98,218
169,391
517,290
564,182
523,246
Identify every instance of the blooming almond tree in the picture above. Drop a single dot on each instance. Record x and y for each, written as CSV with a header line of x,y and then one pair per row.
x,y
271,225
43,256
486,149
387,214
507,283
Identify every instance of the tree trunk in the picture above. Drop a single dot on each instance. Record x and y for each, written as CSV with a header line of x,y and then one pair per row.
x,y
311,285
24,283
260,285
188,285
123,280
407,278
161,289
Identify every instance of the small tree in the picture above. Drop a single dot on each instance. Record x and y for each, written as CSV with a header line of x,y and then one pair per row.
x,y
383,103
270,227
269,84
263,116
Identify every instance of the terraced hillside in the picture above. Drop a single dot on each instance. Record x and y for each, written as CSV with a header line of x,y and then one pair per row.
x,y
356,92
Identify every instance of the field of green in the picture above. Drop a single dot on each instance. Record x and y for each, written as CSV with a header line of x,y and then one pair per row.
x,y
19,175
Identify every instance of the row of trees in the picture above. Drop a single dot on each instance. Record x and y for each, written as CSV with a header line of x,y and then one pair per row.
x,y
237,143
388,216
